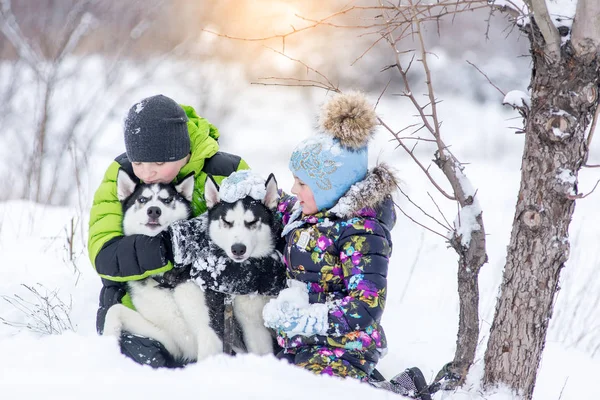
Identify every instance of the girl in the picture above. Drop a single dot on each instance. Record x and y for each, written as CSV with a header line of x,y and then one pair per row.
x,y
337,248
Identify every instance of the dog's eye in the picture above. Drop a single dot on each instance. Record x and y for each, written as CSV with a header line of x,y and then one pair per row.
x,y
227,223
251,223
142,199
168,200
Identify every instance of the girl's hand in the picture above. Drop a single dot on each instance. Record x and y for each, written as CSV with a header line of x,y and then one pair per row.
x,y
292,314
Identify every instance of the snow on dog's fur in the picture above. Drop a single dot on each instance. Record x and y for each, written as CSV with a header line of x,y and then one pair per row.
x,y
178,317
245,230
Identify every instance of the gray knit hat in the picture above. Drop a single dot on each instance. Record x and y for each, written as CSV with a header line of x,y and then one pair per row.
x,y
156,131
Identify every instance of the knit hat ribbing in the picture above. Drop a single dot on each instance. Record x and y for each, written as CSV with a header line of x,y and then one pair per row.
x,y
330,163
156,131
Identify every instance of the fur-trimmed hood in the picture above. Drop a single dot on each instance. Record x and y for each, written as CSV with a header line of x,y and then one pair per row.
x,y
370,193
371,197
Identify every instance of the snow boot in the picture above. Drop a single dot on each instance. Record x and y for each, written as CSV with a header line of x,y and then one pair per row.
x,y
409,383
146,351
446,379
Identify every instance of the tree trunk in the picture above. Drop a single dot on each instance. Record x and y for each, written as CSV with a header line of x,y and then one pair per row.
x,y
472,256
563,102
471,259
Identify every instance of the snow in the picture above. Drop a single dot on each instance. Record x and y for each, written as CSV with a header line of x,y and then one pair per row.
x,y
466,223
517,99
566,176
422,307
241,184
138,109
562,12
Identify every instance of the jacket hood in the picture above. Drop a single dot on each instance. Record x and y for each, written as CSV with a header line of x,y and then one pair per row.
x,y
368,195
203,138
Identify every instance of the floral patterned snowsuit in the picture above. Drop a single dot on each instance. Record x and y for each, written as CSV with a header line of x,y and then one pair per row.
x,y
343,259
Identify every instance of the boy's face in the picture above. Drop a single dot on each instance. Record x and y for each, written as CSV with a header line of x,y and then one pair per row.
x,y
305,196
164,172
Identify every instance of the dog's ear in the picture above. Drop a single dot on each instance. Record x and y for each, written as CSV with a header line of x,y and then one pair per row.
x,y
211,192
272,196
186,187
125,185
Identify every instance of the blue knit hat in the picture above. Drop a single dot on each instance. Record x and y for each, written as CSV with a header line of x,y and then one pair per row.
x,y
331,162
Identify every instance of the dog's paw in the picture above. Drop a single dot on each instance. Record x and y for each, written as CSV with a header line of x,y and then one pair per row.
x,y
209,344
112,322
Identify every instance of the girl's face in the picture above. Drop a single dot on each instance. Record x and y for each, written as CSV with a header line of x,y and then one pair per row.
x,y
305,196
152,172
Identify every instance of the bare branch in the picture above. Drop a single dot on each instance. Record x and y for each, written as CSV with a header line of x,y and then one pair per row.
x,y
548,29
592,128
418,223
382,93
581,195
585,36
79,23
440,211
327,85
486,77
447,227
12,31
401,17
416,160
513,9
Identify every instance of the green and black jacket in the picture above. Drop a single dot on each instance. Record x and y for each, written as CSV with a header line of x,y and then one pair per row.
x,y
117,258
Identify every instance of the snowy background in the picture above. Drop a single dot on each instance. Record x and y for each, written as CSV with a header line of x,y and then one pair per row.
x,y
44,246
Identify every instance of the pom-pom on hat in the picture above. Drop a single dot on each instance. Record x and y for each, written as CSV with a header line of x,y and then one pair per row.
x,y
156,131
332,161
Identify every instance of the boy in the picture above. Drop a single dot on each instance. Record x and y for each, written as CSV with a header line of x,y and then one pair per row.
x,y
164,142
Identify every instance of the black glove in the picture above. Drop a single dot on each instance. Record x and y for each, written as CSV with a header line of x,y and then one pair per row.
x,y
166,246
173,277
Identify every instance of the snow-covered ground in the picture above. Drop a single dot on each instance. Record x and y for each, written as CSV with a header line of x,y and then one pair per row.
x,y
422,310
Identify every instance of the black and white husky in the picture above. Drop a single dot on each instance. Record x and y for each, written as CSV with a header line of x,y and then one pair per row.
x,y
245,230
178,317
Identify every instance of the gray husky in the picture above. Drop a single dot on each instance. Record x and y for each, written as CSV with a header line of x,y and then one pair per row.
x,y
177,317
245,231
231,251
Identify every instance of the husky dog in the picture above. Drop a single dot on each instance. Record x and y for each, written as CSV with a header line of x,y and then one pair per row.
x,y
244,228
178,317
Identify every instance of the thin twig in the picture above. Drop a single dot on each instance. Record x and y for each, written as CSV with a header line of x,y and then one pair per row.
x,y
417,161
593,127
563,388
582,196
486,77
440,211
382,92
448,227
418,223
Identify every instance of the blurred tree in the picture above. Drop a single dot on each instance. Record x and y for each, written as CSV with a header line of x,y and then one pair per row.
x,y
51,111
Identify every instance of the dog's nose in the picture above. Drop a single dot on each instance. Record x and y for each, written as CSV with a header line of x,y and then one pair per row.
x,y
153,212
238,249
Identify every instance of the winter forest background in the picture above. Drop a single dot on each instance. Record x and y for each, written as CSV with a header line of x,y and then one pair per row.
x,y
70,70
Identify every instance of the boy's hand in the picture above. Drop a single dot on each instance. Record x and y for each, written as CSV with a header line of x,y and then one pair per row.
x,y
173,277
166,246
